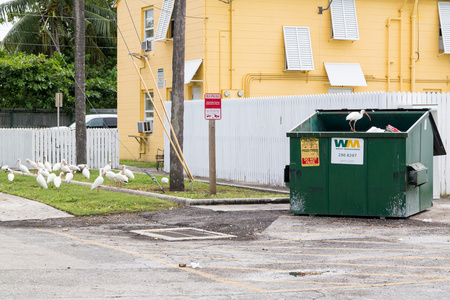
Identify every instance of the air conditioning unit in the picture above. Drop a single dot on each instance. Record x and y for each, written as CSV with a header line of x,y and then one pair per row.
x,y
147,46
145,127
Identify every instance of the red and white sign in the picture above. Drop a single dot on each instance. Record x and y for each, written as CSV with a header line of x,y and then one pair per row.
x,y
213,106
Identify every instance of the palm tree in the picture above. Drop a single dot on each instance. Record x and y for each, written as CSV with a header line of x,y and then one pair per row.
x,y
46,26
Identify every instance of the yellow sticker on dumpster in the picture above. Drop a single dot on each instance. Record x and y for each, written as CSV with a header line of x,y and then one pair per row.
x,y
310,152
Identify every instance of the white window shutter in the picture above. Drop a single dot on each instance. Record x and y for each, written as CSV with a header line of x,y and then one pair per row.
x,y
164,20
343,20
297,44
444,17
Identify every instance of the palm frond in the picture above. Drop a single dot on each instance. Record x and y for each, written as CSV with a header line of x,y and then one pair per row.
x,y
100,11
24,35
16,8
102,26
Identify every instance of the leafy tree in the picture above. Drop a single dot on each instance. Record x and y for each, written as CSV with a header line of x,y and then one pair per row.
x,y
46,26
31,81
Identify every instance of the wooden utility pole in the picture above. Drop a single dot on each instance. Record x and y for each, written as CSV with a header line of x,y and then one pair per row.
x,y
80,102
177,118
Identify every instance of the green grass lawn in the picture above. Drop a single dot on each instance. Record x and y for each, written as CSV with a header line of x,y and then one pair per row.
x,y
80,200
134,163
143,182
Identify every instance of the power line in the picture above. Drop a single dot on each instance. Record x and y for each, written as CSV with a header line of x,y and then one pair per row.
x,y
61,34
66,46
55,16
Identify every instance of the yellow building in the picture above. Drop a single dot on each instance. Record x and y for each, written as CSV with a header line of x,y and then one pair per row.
x,y
250,48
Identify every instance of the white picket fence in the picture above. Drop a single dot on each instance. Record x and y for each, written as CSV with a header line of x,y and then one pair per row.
x,y
58,144
251,142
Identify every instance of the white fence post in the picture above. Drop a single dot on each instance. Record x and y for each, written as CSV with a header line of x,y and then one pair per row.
x,y
58,144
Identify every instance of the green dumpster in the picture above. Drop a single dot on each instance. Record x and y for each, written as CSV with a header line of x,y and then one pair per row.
x,y
335,171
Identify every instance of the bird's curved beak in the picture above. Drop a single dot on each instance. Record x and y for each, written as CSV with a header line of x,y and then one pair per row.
x,y
368,116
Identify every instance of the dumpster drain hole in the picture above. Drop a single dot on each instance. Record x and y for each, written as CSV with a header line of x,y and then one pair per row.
x,y
181,234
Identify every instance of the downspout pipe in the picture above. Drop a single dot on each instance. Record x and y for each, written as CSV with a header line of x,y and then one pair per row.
x,y
413,46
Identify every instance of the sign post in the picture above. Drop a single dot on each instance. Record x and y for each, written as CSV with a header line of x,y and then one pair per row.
x,y
58,104
213,112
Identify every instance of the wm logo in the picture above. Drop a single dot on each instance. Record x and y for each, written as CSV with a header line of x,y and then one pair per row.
x,y
346,144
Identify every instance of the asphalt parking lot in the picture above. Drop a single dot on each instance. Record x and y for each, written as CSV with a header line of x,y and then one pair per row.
x,y
285,257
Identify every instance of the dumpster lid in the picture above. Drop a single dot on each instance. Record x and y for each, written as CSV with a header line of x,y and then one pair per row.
x,y
438,145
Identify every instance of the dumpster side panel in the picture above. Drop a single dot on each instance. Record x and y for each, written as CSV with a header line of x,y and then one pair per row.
x,y
309,184
420,149
387,177
426,157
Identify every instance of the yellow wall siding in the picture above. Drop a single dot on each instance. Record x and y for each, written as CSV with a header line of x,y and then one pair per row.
x,y
242,47
130,88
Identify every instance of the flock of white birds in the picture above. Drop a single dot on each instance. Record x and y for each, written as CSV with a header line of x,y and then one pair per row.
x,y
48,174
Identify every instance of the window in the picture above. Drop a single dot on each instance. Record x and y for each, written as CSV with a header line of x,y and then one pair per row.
x,y
160,78
148,113
343,20
196,93
297,46
444,17
147,45
110,122
165,19
95,123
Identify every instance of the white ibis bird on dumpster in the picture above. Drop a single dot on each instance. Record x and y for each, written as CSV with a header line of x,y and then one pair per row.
x,y
355,116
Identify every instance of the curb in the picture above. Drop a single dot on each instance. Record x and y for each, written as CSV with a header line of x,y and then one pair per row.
x,y
189,201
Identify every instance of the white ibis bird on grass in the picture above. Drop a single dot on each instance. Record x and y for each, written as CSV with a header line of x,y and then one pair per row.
x,y
127,172
40,164
110,175
32,164
57,180
23,168
57,166
86,172
107,167
120,178
51,177
10,175
165,181
355,116
65,167
74,168
98,181
69,176
41,180
47,164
